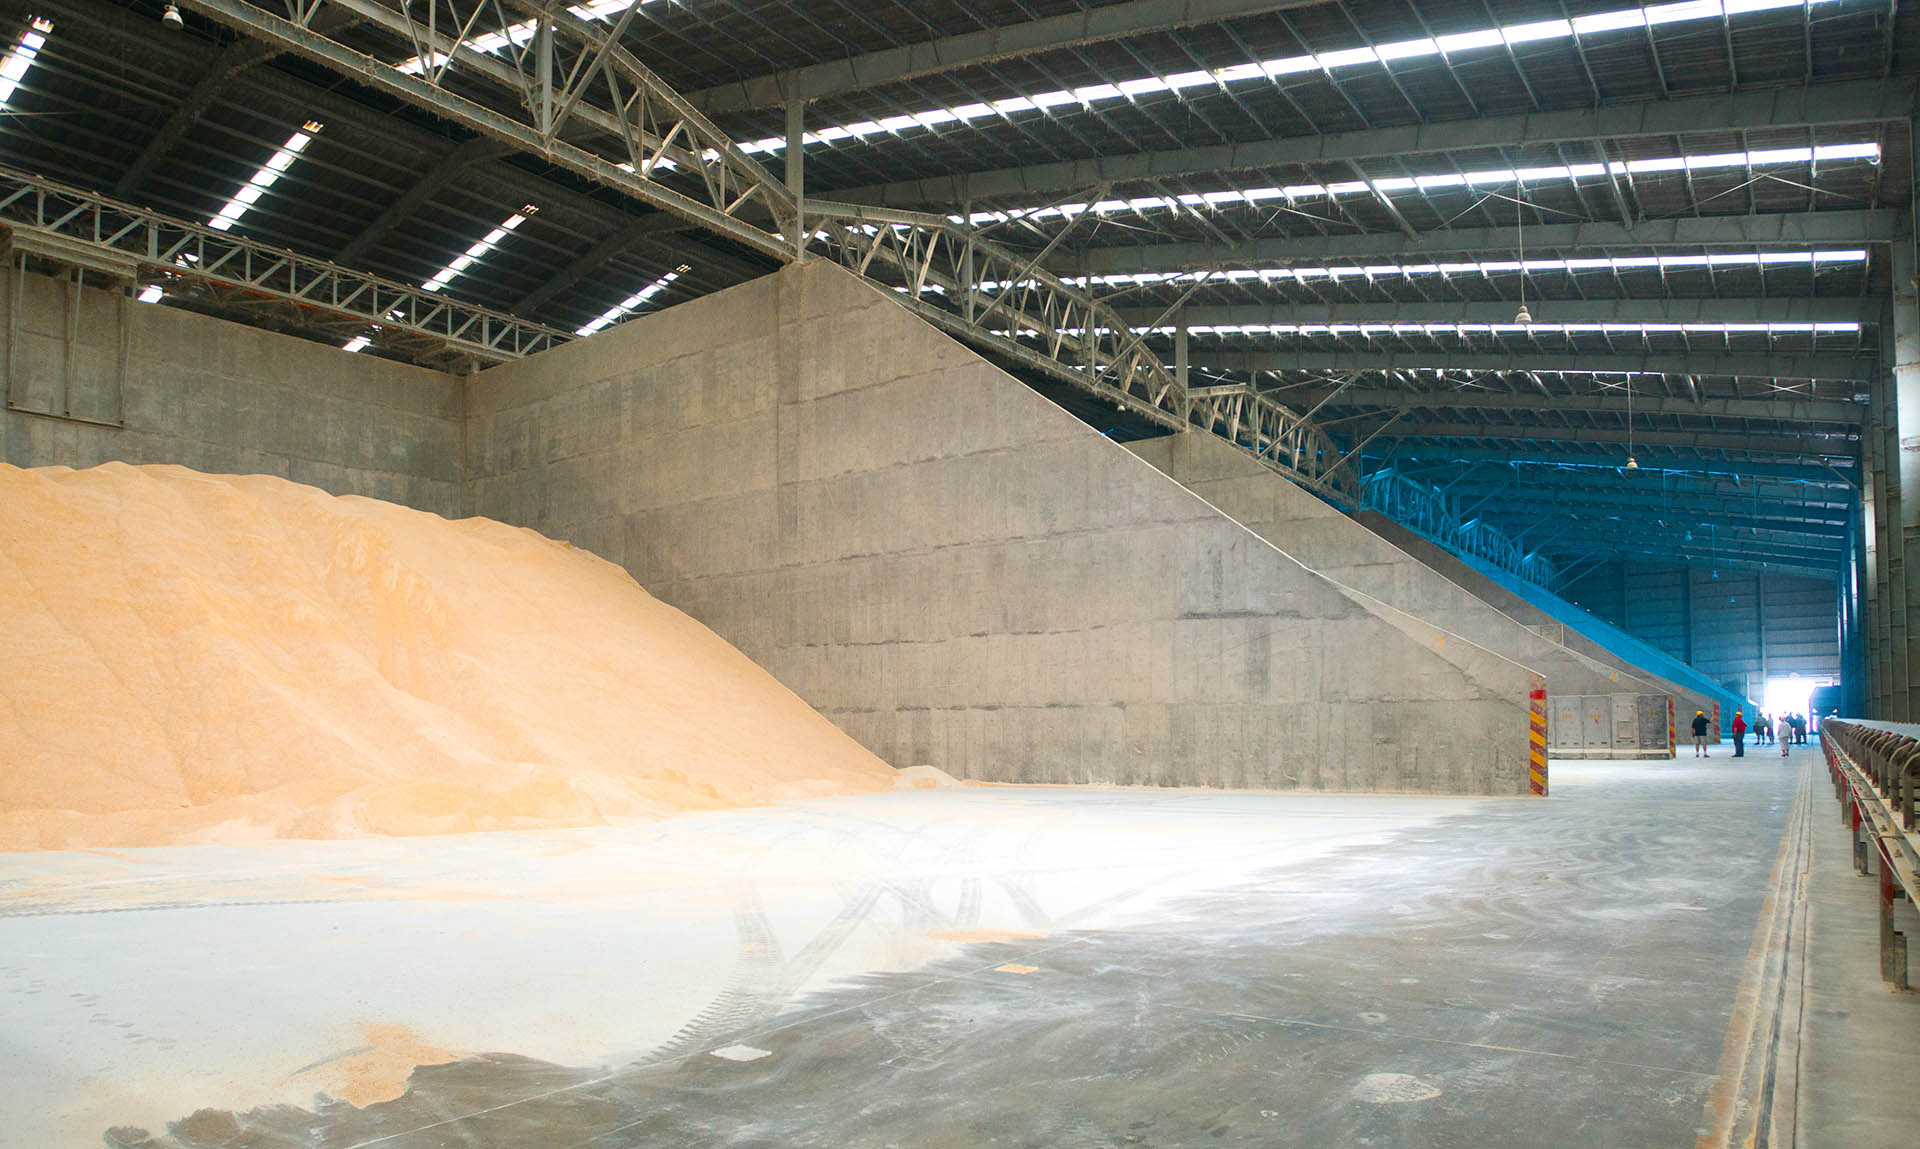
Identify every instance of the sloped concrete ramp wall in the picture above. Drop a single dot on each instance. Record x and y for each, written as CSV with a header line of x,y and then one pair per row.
x,y
1688,698
1328,541
960,573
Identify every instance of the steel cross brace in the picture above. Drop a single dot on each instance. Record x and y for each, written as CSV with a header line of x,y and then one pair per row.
x,y
169,251
1430,512
939,268
679,161
662,134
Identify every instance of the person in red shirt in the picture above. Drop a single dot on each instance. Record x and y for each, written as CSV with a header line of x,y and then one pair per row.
x,y
1739,735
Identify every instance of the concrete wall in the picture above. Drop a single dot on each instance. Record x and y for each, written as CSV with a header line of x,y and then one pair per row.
x,y
1688,697
945,563
221,397
1328,541
959,572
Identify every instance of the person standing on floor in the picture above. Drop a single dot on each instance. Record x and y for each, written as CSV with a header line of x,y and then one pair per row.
x,y
1699,734
1739,735
1763,731
1785,736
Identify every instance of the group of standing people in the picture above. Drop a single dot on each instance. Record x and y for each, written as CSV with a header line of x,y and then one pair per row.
x,y
1790,728
1787,730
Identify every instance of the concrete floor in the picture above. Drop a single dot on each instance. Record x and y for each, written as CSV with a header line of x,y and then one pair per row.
x,y
1860,1040
960,967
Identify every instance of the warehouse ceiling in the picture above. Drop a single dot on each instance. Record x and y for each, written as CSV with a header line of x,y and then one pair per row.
x,y
1343,204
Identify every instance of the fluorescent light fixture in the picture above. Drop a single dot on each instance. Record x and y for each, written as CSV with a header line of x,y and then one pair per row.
x,y
1600,23
151,294
251,191
1466,267
632,302
14,68
1376,330
520,33
357,343
479,250
1772,157
1373,330
1088,96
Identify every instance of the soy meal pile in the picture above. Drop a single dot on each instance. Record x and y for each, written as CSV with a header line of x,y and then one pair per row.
x,y
212,658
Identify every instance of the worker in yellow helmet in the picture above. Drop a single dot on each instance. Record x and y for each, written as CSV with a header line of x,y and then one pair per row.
x,y
1699,734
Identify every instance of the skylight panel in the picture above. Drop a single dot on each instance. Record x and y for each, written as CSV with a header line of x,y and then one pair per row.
x,y
1372,330
14,67
1847,152
479,250
1407,49
632,302
1332,60
1377,55
1462,267
1237,73
268,175
1468,41
1868,152
1609,22
1090,95
1553,29
1686,10
357,344
520,33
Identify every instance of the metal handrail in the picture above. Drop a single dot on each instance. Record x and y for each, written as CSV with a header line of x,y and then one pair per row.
x,y
1430,512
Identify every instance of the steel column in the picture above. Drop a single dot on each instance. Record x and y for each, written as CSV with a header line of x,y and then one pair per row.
x,y
1181,367
1871,638
1906,393
1892,550
797,172
1892,627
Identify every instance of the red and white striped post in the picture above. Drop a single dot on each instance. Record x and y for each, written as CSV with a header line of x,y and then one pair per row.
x,y
1537,737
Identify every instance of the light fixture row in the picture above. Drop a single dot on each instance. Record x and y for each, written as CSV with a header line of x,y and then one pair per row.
x,y
1090,95
260,181
1490,177
631,303
479,250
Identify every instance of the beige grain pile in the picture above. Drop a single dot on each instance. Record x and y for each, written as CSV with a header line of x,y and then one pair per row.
x,y
207,658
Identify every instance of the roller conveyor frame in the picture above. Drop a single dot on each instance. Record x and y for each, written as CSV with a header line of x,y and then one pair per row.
x,y
1875,767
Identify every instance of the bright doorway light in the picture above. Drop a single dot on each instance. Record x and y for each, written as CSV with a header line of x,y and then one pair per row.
x,y
1791,695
